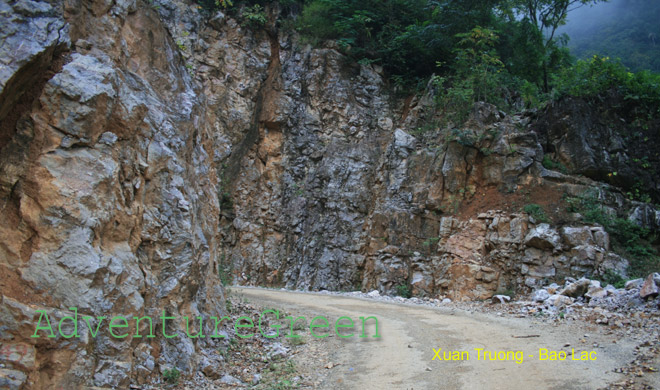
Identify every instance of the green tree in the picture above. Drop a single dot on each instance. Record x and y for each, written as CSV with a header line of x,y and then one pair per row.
x,y
478,63
477,75
545,16
407,37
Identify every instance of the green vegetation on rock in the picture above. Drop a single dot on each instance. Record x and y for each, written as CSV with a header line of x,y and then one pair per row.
x,y
628,239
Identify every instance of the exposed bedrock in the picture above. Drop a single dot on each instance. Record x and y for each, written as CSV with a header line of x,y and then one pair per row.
x,y
146,148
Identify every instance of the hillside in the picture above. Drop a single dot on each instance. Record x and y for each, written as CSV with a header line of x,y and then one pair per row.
x,y
624,29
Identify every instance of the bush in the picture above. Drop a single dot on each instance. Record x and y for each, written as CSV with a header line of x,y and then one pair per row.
x,y
548,163
406,37
508,292
172,375
213,5
599,76
536,212
254,16
613,278
629,239
478,76
403,290
314,21
224,273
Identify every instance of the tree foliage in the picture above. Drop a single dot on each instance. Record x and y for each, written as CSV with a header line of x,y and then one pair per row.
x,y
542,18
407,37
600,75
506,52
477,75
624,29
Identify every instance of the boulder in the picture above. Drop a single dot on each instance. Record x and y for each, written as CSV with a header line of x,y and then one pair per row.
x,y
575,236
576,289
596,292
543,237
635,283
559,301
650,287
541,295
501,299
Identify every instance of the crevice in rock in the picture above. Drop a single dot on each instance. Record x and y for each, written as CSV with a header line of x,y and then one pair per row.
x,y
266,92
25,87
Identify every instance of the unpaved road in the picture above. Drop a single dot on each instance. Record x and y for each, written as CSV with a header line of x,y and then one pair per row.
x,y
402,358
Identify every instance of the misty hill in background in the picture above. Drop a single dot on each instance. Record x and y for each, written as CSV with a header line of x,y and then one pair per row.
x,y
625,29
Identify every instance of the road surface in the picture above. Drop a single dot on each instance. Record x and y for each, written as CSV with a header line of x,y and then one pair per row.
x,y
412,336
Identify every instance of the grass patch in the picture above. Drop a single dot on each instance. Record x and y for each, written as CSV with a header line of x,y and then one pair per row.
x,y
536,212
172,375
552,165
403,290
279,376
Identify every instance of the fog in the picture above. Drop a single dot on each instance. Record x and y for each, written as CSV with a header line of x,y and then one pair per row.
x,y
626,29
584,20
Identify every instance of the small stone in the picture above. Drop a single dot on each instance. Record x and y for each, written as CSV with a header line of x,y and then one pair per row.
x,y
211,369
21,355
541,295
501,299
108,138
256,379
278,351
230,380
374,294
635,283
552,289
11,379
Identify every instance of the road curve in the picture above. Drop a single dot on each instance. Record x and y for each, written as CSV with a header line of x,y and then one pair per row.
x,y
403,357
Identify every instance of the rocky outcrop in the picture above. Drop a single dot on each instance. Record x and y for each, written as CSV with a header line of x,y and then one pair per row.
x,y
107,193
335,185
608,141
498,251
355,199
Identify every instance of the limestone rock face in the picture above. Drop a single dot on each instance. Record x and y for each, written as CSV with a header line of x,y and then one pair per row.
x,y
592,140
108,192
328,182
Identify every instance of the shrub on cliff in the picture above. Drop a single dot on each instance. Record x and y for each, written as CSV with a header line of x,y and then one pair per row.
x,y
599,76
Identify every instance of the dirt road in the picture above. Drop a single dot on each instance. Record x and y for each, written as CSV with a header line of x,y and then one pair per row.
x,y
403,357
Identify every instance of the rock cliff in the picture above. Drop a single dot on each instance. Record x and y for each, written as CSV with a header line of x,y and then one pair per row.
x,y
108,191
147,148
